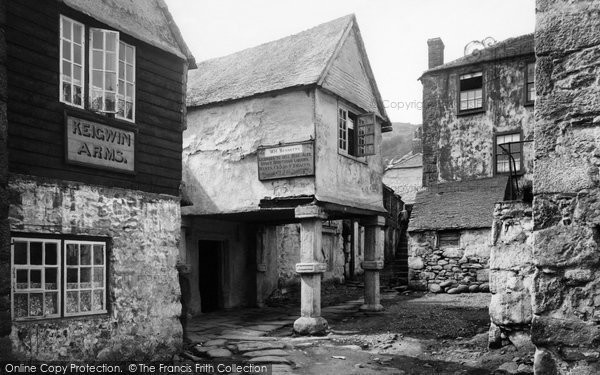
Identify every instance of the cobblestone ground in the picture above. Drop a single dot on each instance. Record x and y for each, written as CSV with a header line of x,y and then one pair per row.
x,y
416,334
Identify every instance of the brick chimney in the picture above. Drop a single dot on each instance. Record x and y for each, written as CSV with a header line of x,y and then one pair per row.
x,y
436,52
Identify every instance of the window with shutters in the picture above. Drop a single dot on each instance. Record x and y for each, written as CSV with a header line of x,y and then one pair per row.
x,y
356,133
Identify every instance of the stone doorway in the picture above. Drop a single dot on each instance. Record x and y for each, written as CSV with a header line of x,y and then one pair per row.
x,y
210,274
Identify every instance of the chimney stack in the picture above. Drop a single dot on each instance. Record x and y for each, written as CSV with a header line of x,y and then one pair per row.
x,y
417,145
436,52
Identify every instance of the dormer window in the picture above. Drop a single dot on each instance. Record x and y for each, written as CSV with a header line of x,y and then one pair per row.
x,y
471,92
111,70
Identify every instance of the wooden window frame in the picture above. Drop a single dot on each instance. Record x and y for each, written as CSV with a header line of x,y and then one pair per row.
x,y
128,79
526,83
71,62
520,165
87,67
360,142
470,111
61,266
453,233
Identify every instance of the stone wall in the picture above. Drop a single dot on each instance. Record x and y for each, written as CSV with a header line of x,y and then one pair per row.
x,y
462,269
457,147
143,290
511,275
566,208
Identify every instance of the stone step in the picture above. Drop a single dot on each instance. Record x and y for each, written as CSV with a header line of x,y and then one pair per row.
x,y
268,352
258,345
270,359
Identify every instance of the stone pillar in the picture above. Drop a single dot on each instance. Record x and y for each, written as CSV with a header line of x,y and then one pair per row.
x,y
566,286
373,261
310,268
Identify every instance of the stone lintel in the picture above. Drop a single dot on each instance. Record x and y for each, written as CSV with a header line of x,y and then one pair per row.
x,y
311,267
309,212
372,265
373,221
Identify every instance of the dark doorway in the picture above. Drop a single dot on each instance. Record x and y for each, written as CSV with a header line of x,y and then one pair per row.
x,y
210,274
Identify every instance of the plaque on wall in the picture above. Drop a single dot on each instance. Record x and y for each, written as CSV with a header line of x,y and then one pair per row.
x,y
286,161
98,145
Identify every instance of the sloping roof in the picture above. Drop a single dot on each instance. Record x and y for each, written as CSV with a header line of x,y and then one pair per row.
x,y
298,60
512,47
147,20
407,161
457,205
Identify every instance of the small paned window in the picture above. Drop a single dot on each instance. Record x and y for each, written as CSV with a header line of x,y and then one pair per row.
x,y
53,278
530,94
72,47
111,70
356,133
104,46
471,91
126,95
508,153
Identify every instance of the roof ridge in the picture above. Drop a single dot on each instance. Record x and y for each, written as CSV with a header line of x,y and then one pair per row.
x,y
351,15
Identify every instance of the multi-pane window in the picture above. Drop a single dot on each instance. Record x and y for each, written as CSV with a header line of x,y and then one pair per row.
x,y
72,64
530,84
471,91
103,73
126,95
110,70
508,153
343,130
53,278
84,282
36,278
356,134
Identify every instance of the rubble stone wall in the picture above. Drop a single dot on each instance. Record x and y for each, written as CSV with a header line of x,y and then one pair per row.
x,y
566,208
511,275
457,147
462,269
143,295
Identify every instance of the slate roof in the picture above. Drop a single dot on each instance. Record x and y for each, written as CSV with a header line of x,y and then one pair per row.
x,y
512,47
408,161
457,205
297,60
147,20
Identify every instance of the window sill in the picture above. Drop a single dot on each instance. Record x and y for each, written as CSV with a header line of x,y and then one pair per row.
x,y
529,104
62,319
96,117
358,159
470,112
519,173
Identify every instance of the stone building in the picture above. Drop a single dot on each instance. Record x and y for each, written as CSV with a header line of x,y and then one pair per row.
x,y
404,175
477,132
566,296
285,132
96,110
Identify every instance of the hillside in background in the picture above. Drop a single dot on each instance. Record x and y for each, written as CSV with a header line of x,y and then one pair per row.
x,y
398,142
